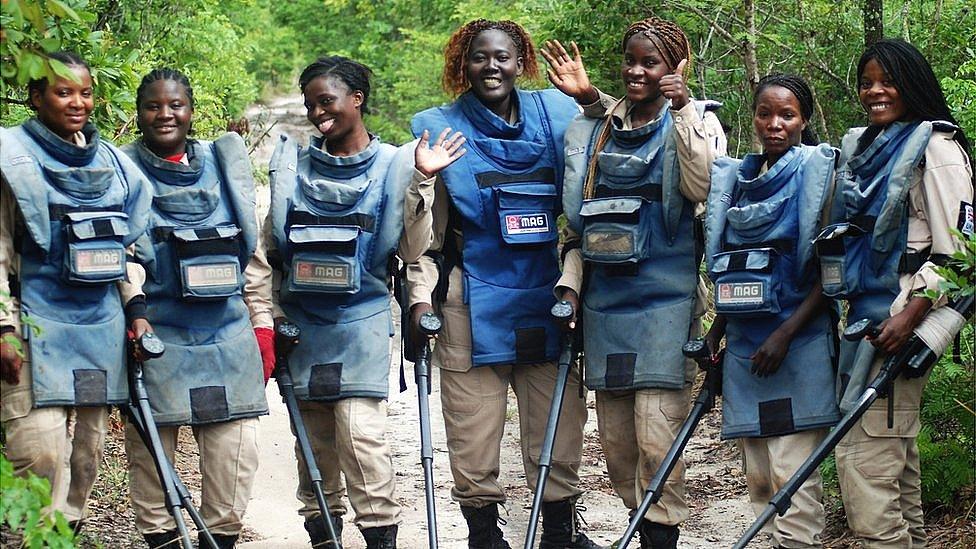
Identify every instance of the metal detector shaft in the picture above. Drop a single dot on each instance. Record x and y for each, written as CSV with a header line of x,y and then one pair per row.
x,y
704,402
545,458
286,337
164,469
429,326
135,416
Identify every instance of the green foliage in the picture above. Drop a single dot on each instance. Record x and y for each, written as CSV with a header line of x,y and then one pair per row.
x,y
958,274
22,509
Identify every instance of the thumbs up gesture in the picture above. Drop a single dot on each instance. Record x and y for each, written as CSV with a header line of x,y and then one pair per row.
x,y
673,86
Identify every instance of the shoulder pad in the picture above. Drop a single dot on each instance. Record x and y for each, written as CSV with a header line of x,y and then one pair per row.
x,y
944,126
709,104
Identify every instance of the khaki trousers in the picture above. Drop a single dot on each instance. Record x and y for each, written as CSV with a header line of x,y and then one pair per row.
x,y
879,473
768,464
637,428
228,463
60,443
349,436
475,403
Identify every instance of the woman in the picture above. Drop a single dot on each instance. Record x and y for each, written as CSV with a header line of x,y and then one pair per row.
x,y
763,213
71,203
201,237
636,169
336,218
494,264
884,259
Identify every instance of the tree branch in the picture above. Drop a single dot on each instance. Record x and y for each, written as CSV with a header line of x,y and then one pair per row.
x,y
13,101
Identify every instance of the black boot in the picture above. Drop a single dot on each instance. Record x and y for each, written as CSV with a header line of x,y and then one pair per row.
x,y
381,537
483,531
645,543
167,540
560,527
659,536
317,532
224,541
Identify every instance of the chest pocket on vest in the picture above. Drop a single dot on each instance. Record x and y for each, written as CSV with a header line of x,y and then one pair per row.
x,y
526,213
325,259
95,253
209,263
747,283
614,230
842,250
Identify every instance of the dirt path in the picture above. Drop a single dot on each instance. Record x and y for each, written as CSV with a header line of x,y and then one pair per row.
x,y
719,506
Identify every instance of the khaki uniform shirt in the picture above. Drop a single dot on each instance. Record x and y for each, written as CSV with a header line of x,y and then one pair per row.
x,y
700,141
262,282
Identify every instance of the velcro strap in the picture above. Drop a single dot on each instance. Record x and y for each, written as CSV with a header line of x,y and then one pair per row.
x,y
57,211
783,246
492,179
651,192
864,222
217,246
912,261
103,228
364,221
622,269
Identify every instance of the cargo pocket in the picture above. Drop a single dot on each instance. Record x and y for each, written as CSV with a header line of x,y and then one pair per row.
x,y
208,262
325,259
95,253
613,231
840,268
746,282
526,213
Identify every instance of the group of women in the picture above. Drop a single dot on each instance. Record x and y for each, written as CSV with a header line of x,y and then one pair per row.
x,y
162,237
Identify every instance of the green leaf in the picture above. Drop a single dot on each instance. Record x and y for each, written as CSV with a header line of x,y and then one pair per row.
x,y
50,44
61,9
63,70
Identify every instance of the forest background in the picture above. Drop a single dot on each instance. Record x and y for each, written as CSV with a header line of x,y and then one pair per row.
x,y
238,52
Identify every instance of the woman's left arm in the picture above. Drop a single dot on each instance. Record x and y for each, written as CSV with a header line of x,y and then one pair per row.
x,y
767,359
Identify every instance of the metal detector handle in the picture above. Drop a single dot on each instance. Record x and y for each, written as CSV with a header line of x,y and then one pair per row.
x,y
149,346
287,335
696,349
562,310
860,329
430,324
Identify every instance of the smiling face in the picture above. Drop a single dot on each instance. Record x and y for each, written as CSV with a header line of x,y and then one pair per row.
x,y
491,67
65,105
778,121
879,96
165,116
642,70
332,107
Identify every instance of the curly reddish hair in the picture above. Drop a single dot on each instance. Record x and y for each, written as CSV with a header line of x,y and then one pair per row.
x,y
454,80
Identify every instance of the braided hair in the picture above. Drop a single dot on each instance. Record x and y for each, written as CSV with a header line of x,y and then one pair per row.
x,y
69,58
353,74
668,37
914,80
454,80
804,96
164,73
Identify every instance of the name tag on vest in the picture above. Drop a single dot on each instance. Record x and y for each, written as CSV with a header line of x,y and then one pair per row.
x,y
830,273
99,260
740,293
527,223
321,273
212,274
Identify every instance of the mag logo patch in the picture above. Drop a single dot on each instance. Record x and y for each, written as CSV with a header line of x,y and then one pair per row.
x,y
967,223
830,273
99,260
740,293
527,223
211,274
322,273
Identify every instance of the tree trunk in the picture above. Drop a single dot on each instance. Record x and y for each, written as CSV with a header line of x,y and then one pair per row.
x,y
749,57
873,21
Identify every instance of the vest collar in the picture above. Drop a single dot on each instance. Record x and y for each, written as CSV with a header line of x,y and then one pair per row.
x,y
620,123
876,154
758,185
489,123
173,173
342,167
63,151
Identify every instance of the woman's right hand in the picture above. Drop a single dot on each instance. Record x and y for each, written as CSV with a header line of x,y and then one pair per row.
x,y
570,296
10,359
567,73
431,159
417,311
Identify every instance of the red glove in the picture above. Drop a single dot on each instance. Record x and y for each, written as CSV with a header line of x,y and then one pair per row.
x,y
265,337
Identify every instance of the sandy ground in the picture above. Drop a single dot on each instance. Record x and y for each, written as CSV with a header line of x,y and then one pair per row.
x,y
720,509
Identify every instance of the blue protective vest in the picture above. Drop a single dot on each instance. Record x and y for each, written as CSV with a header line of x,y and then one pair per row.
x,y
862,250
505,195
336,221
759,254
638,241
201,236
81,206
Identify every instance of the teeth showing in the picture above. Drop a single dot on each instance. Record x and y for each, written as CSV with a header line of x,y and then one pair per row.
x,y
635,85
326,125
492,83
879,107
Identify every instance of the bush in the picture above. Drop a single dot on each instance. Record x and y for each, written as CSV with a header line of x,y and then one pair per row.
x,y
22,509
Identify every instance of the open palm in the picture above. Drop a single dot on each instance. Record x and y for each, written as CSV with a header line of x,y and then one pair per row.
x,y
565,72
431,159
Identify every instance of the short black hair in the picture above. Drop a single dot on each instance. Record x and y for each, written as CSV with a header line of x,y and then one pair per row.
x,y
69,58
804,95
164,73
353,74
915,81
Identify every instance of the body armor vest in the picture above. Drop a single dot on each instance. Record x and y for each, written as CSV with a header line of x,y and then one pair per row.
x,y
81,207
200,238
505,193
